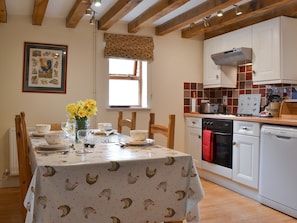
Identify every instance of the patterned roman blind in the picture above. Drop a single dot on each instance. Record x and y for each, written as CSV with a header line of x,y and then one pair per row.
x,y
128,46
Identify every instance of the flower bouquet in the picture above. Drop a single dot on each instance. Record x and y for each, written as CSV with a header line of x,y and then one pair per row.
x,y
81,112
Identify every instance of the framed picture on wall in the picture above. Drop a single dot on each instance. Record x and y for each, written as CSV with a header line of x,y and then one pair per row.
x,y
45,68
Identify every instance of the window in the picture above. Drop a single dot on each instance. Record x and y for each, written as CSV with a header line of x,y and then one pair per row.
x,y
127,83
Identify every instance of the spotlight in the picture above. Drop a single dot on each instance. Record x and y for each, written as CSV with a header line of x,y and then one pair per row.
x,y
97,3
92,20
220,13
237,10
205,22
88,11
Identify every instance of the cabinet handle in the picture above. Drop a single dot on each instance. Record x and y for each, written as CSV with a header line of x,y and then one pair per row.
x,y
234,143
217,76
193,123
245,128
199,136
254,72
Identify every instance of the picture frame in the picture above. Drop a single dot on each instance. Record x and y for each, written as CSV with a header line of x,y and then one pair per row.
x,y
45,68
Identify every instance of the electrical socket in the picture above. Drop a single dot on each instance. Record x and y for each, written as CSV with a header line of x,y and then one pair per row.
x,y
225,100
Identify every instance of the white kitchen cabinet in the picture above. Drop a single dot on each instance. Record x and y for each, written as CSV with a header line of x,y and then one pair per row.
x,y
246,150
194,139
223,76
274,51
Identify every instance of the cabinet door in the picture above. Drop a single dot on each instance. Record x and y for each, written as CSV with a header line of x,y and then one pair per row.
x,y
246,160
266,51
211,74
193,144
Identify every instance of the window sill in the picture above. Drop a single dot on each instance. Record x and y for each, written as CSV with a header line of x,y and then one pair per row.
x,y
124,108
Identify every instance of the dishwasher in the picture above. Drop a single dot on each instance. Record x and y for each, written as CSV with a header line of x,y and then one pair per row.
x,y
278,166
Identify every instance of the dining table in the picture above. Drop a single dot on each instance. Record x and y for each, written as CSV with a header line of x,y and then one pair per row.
x,y
114,182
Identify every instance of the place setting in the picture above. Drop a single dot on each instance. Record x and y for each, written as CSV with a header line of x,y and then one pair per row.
x,y
137,138
54,142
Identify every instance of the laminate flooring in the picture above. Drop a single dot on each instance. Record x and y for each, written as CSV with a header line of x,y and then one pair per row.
x,y
219,205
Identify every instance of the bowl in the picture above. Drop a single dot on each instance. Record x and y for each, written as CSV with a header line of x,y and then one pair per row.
x,y
54,138
138,135
105,126
43,128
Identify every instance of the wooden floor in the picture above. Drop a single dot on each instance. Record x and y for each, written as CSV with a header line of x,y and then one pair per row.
x,y
219,206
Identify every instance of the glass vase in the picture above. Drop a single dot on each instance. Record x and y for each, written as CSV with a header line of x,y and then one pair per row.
x,y
81,123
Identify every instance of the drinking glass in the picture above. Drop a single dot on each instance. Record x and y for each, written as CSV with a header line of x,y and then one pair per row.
x,y
64,128
82,136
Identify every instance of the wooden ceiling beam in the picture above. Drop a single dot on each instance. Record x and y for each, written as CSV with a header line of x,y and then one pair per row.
x,y
155,12
289,9
249,10
39,11
205,9
3,12
116,12
76,13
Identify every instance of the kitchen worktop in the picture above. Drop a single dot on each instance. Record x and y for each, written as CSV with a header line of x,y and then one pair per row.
x,y
263,120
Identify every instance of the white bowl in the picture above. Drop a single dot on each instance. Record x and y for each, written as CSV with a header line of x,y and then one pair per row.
x,y
104,126
43,128
54,138
138,135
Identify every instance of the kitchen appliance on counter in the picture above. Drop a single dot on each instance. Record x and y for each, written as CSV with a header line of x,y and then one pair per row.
x,y
278,166
208,108
222,130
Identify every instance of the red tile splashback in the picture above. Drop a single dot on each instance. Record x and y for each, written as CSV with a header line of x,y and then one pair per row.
x,y
215,95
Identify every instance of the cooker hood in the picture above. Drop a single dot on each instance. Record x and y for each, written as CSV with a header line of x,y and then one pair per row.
x,y
233,57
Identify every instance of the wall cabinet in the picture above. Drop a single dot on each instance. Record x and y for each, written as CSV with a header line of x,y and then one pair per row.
x,y
274,51
223,76
194,139
246,150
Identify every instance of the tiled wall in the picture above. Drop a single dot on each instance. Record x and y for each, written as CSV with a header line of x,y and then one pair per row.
x,y
244,86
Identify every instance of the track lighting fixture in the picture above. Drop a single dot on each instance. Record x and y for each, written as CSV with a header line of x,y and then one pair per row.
x,y
97,3
205,22
220,13
89,10
93,19
237,10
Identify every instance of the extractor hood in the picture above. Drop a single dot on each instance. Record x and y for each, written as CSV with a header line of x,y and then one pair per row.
x,y
233,57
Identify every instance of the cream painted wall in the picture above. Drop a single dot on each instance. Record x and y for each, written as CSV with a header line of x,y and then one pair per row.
x,y
176,60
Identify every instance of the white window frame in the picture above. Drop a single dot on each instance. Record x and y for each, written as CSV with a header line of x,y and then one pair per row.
x,y
140,73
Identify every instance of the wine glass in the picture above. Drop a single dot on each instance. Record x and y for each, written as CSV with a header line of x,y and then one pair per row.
x,y
64,128
82,136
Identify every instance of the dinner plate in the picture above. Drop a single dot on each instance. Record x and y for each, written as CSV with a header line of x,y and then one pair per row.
x,y
146,142
47,147
37,134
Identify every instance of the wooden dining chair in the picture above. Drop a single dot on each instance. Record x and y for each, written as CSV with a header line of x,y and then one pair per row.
x,y
126,122
167,131
25,173
55,127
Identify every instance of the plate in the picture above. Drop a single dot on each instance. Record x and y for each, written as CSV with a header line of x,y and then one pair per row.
x,y
105,133
146,142
37,134
46,147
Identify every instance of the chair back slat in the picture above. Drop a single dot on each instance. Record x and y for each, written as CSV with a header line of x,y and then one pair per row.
x,y
167,131
126,122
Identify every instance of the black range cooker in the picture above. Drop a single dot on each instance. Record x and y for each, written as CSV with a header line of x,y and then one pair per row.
x,y
222,140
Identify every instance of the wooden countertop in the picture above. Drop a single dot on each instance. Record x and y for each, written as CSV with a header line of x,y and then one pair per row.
x,y
275,121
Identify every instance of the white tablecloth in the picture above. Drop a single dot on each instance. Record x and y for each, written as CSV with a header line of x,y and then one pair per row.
x,y
113,184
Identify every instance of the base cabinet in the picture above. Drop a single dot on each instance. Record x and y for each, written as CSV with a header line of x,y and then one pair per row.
x,y
194,139
246,154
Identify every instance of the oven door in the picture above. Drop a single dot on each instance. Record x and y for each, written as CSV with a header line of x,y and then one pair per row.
x,y
222,155
222,149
